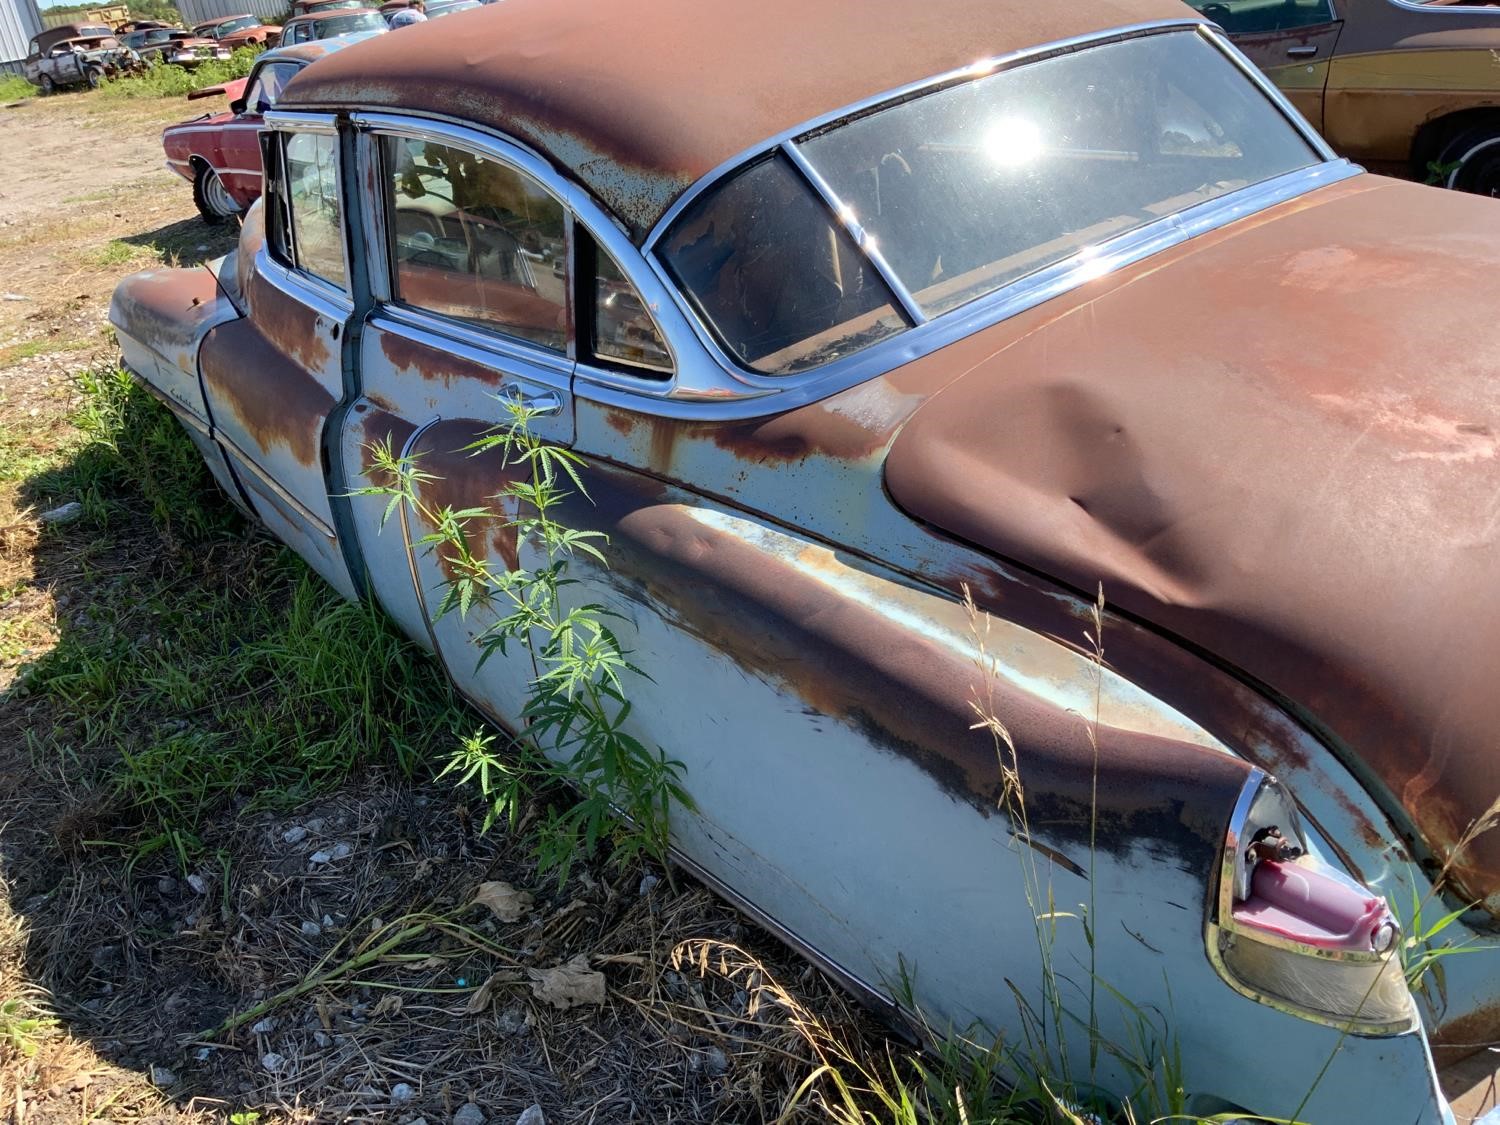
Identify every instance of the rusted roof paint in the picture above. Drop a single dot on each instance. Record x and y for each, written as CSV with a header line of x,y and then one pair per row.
x,y
1298,471
637,128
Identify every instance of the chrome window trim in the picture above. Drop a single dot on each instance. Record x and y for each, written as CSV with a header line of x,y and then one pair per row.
x,y
283,121
978,69
477,345
322,297
845,217
1483,13
730,397
733,382
694,367
374,127
320,124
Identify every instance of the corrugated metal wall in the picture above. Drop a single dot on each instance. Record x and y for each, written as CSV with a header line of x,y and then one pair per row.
x,y
19,22
196,11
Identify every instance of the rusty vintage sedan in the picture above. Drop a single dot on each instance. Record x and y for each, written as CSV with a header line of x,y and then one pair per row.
x,y
851,308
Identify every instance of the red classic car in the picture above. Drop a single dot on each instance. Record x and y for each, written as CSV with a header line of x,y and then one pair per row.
x,y
219,154
239,31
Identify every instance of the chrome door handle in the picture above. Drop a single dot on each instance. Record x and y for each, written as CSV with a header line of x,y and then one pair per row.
x,y
1302,52
542,404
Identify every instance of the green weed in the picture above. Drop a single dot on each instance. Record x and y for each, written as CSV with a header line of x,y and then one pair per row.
x,y
13,88
163,80
114,253
575,715
231,678
23,1026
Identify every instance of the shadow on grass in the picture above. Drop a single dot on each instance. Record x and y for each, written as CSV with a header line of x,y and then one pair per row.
x,y
218,785
187,242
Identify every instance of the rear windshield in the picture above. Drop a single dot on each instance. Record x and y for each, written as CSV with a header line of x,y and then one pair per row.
x,y
232,26
968,189
348,25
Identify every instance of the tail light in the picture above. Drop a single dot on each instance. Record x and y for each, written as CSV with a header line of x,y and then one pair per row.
x,y
1293,931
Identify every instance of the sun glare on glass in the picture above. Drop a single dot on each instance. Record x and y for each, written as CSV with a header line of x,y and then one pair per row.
x,y
1013,141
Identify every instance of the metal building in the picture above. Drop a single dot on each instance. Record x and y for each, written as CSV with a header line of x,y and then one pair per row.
x,y
196,11
19,23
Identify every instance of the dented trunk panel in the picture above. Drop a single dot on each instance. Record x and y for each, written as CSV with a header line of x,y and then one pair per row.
x,y
838,756
1310,505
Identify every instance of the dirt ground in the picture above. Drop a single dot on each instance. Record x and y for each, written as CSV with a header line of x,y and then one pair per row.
x,y
401,1000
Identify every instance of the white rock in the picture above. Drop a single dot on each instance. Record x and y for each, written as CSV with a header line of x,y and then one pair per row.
x,y
648,884
320,857
272,1061
315,824
532,1115
161,1076
16,296
715,1062
202,1053
65,513
311,929
469,1114
198,883
342,851
294,835
321,1038
401,1093
264,1027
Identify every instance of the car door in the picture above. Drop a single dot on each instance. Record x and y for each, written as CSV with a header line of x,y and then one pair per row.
x,y
67,66
1291,40
273,378
467,312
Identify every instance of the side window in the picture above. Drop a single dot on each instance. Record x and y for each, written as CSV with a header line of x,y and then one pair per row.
x,y
475,239
1256,17
307,223
623,330
267,87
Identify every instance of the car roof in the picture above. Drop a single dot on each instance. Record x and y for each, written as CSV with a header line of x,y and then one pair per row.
x,y
713,77
217,20
334,14
314,50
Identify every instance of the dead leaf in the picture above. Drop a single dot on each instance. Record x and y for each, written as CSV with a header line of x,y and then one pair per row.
x,y
568,984
481,998
390,1004
504,901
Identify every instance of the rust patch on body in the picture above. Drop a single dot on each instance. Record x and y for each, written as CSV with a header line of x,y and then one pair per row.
x,y
809,431
273,400
465,479
434,365
861,665
286,322
379,426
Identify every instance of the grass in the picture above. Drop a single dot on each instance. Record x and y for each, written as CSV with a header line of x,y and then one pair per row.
x,y
13,88
116,252
163,80
263,689
51,345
